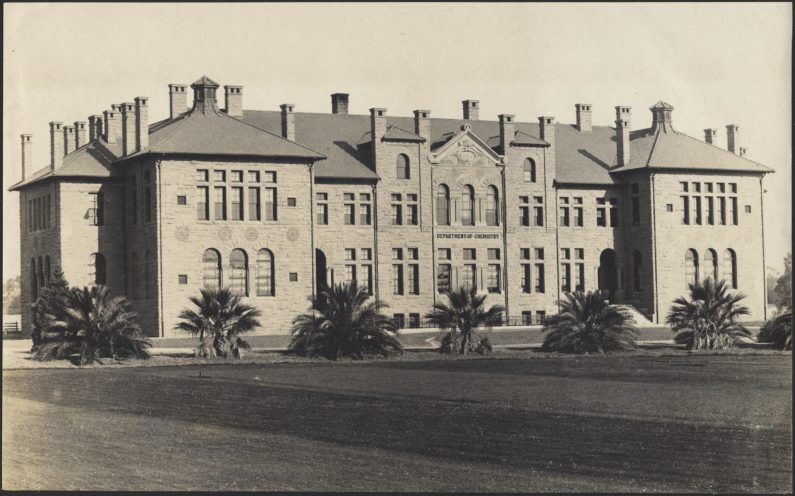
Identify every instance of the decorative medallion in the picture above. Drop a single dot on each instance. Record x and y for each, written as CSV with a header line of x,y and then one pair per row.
x,y
224,233
182,233
251,234
292,234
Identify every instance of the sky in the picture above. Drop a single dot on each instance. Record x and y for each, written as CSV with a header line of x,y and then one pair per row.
x,y
717,64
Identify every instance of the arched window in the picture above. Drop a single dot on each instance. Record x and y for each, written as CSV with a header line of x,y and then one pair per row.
x,y
41,273
468,206
443,205
529,170
730,268
711,264
211,276
47,269
264,275
238,274
691,267
134,276
492,207
147,273
97,269
403,170
637,266
34,280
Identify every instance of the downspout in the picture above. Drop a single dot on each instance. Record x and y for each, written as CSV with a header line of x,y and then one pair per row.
x,y
654,252
158,175
312,228
764,263
505,244
376,279
557,246
433,245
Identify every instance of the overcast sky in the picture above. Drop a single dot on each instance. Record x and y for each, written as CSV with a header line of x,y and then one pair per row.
x,y
717,64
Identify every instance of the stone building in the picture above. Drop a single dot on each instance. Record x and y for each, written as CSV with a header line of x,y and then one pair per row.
x,y
275,203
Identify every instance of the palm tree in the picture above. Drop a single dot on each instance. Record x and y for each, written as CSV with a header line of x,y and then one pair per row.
x,y
778,330
344,322
586,323
95,325
465,313
708,318
219,320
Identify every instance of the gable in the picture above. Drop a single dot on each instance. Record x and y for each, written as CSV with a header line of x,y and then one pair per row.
x,y
466,149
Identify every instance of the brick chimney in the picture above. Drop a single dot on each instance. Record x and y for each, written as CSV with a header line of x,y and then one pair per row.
x,y
288,121
339,103
81,136
141,123
68,140
732,132
127,128
546,127
377,131
178,99
27,153
471,109
623,126
583,117
422,124
507,130
56,145
233,100
111,128
711,136
94,127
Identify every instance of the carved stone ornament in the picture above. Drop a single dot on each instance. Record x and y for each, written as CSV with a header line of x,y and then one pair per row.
x,y
224,233
293,234
182,233
252,234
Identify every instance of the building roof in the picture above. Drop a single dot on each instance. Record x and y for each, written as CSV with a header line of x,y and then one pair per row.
x,y
89,161
394,133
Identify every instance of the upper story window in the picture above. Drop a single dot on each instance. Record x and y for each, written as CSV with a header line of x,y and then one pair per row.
x,y
403,169
468,206
492,206
443,205
529,170
96,213
321,215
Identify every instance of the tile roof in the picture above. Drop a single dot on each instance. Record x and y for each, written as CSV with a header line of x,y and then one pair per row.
x,y
89,161
394,133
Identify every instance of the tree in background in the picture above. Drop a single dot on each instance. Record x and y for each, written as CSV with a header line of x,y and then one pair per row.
x,y
783,287
50,306
12,296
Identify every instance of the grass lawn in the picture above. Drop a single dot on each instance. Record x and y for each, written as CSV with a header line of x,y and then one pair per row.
x,y
704,422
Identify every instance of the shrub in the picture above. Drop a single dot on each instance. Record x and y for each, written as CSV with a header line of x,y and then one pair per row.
x,y
461,317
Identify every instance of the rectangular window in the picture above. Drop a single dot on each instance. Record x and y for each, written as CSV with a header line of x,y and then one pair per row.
x,y
134,199
322,211
414,279
601,219
614,219
540,317
493,253
697,209
527,282
539,254
524,215
364,214
443,277
578,217
254,210
579,253
686,210
527,317
203,203
219,176
397,212
182,200
721,187
493,283
683,187
96,214
48,209
747,209
411,214
565,253
253,176
147,197
710,210
635,211
291,201
708,187
237,203
733,208
350,273
349,213
367,283
237,176
270,204
696,187
538,216
220,202
414,320
468,274
397,253
350,253
733,187
565,277
722,210
397,279
539,287
564,216
367,254
444,253
470,254
400,322
202,175
580,281
270,177
413,253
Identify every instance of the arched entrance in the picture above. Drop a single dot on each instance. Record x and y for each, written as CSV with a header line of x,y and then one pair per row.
x,y
320,269
608,274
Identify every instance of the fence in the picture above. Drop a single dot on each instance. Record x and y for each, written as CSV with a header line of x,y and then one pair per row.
x,y
512,320
10,328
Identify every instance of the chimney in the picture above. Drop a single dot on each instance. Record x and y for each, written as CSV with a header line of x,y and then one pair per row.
x,y
27,153
56,145
623,115
711,136
233,100
546,127
507,131
732,130
178,99
68,140
583,117
81,137
141,123
111,128
339,103
288,121
422,124
94,127
743,151
471,109
377,131
127,128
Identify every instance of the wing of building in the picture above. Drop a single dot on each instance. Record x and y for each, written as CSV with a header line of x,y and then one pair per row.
x,y
274,204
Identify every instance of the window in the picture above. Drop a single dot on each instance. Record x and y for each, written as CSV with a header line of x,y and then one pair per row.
x,y
565,277
219,176
443,277
41,273
364,214
397,279
254,211
270,204
202,175
696,187
564,212
367,254
414,279
444,253
238,273
747,209
397,210
468,274
211,274
527,282
220,203
414,320
182,200
614,219
733,210
133,199
539,254
367,283
97,211
493,284
403,171
710,210
291,201
540,317
669,207
293,276
147,196
411,210
685,210
470,254
722,210
635,211
97,269
322,208
578,216
237,203
527,317
733,188
253,176
443,205
529,170
711,264
721,187
730,268
270,177
697,209
48,210
264,275
492,207
601,212
400,322
524,211
182,278
691,267
350,274
237,176
468,206
579,283
203,203
637,265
